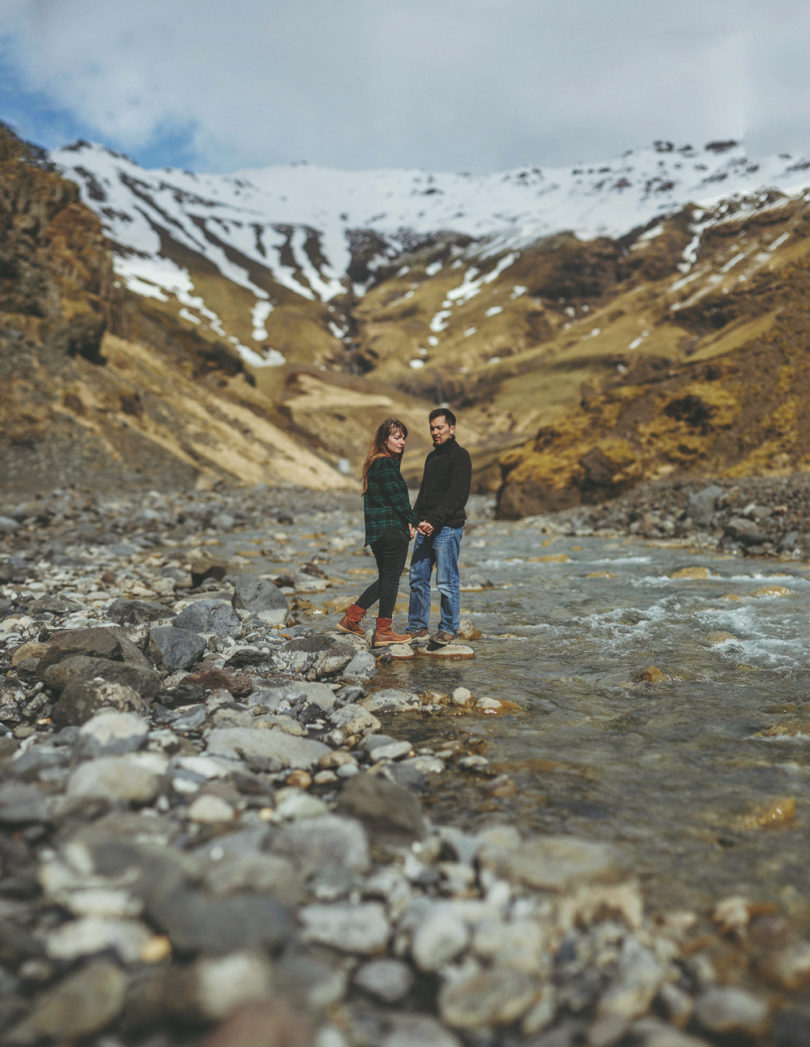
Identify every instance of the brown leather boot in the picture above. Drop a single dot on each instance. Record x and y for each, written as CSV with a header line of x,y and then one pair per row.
x,y
384,635
350,622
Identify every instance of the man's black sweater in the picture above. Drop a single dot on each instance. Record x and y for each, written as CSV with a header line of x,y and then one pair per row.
x,y
445,486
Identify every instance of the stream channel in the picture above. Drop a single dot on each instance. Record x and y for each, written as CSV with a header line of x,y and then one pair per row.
x,y
694,777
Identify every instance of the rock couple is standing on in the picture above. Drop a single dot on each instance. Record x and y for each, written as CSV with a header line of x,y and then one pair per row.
x,y
436,522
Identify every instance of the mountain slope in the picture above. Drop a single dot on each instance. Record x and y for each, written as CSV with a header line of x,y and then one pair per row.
x,y
558,301
94,391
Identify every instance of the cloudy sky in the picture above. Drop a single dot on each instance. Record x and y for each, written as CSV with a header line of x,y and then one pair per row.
x,y
457,85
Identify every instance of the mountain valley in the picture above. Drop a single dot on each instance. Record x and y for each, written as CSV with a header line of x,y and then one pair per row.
x,y
594,327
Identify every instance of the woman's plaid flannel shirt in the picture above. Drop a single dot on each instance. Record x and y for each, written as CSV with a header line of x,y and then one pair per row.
x,y
386,503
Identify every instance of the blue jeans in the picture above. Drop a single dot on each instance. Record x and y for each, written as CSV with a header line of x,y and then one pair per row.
x,y
440,550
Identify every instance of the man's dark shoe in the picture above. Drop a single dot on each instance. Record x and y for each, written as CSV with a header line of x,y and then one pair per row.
x,y
419,636
441,639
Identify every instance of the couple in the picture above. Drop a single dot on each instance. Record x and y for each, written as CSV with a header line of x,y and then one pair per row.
x,y
436,522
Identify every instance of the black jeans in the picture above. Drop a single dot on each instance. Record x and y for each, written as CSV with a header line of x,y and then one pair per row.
x,y
390,552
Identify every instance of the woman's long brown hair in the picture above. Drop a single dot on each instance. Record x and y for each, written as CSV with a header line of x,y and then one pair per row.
x,y
378,448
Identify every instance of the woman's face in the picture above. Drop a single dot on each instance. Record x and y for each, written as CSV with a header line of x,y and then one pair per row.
x,y
395,444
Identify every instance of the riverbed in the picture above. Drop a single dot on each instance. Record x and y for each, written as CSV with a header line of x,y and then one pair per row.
x,y
662,696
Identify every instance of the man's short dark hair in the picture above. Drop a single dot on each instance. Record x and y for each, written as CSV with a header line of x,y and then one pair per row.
x,y
437,412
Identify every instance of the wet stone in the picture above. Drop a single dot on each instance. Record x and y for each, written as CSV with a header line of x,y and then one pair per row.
x,y
449,652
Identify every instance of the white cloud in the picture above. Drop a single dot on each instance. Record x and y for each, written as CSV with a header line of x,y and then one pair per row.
x,y
457,85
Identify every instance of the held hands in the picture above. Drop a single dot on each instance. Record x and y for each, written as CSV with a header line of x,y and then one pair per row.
x,y
425,528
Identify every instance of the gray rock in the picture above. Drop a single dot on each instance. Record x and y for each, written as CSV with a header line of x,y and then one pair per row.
x,y
80,670
22,803
410,1030
634,985
82,699
108,642
390,813
222,984
270,744
487,997
354,719
361,928
391,700
209,617
362,666
111,733
728,1010
439,938
7,525
649,1032
745,531
314,656
137,778
328,842
386,979
702,504
311,982
174,647
92,935
137,612
196,922
82,1004
319,696
261,598
269,874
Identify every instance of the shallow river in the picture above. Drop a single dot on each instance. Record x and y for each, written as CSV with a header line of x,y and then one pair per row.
x,y
675,772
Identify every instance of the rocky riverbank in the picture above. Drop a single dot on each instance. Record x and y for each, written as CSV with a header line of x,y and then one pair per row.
x,y
213,833
752,516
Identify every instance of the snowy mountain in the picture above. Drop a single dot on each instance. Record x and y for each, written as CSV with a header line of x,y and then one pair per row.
x,y
596,327
311,234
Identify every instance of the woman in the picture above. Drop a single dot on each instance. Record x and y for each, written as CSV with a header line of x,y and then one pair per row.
x,y
390,524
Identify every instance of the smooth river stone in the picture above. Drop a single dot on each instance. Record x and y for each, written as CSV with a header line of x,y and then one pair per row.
x,y
452,650
398,650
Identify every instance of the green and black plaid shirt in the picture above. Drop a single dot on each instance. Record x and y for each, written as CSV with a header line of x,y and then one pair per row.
x,y
386,503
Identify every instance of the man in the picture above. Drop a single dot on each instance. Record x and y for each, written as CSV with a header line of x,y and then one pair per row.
x,y
439,508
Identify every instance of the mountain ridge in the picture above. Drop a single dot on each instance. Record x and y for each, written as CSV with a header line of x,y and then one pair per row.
x,y
570,353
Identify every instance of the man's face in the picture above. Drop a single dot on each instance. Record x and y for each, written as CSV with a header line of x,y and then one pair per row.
x,y
440,431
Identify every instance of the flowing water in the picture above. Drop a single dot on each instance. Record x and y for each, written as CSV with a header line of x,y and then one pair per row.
x,y
694,776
